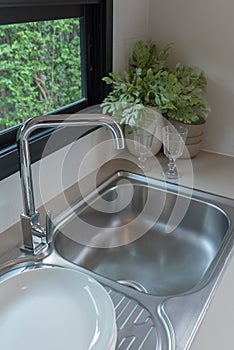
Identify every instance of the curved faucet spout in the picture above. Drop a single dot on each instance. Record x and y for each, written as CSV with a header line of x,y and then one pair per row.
x,y
30,218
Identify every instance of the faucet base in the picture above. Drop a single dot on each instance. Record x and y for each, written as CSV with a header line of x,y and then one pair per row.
x,y
41,248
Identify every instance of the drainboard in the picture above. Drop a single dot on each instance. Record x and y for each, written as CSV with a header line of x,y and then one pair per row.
x,y
136,326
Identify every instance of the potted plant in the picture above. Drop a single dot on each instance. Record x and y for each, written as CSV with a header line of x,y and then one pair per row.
x,y
130,101
188,104
177,93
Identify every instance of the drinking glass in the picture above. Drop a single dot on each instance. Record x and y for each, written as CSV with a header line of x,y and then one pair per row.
x,y
173,146
143,139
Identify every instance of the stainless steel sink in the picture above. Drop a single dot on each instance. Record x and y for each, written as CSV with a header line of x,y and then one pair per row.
x,y
158,249
146,234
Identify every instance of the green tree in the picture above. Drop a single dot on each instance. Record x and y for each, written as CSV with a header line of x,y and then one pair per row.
x,y
40,68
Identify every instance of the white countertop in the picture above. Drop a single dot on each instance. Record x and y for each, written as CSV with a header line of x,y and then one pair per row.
x,y
215,174
209,172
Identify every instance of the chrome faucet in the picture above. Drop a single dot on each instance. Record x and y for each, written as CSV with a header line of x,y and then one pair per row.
x,y
36,238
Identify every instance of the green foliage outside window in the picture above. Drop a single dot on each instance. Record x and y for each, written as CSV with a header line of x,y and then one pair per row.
x,y
40,68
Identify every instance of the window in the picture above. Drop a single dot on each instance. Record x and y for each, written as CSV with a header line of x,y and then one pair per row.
x,y
53,56
41,68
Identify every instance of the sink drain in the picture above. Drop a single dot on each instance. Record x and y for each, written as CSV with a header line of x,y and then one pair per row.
x,y
134,285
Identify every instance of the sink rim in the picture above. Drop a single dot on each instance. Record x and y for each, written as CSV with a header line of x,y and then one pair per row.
x,y
141,180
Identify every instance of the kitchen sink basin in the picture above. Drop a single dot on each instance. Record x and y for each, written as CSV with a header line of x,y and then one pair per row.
x,y
156,237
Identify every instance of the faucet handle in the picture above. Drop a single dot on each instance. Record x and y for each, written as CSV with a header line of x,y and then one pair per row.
x,y
49,226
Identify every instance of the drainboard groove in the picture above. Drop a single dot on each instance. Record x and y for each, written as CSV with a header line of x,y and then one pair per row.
x,y
120,303
138,316
130,314
128,317
144,341
126,343
135,326
123,309
118,299
143,318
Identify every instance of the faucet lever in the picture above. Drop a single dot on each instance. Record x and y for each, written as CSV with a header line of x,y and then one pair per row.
x,y
49,226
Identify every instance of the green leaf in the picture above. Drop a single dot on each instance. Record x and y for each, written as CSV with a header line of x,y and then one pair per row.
x,y
178,92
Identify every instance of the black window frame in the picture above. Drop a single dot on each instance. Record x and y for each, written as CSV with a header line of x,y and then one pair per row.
x,y
96,41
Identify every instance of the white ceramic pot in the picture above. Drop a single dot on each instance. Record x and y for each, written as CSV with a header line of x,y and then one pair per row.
x,y
157,139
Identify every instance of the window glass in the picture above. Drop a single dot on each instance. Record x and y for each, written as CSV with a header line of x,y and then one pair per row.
x,y
53,55
41,68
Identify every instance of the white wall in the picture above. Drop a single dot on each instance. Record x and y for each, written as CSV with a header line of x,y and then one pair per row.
x,y
202,32
130,25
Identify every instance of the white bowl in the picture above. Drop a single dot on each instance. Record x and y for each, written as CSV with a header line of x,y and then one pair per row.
x,y
55,308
